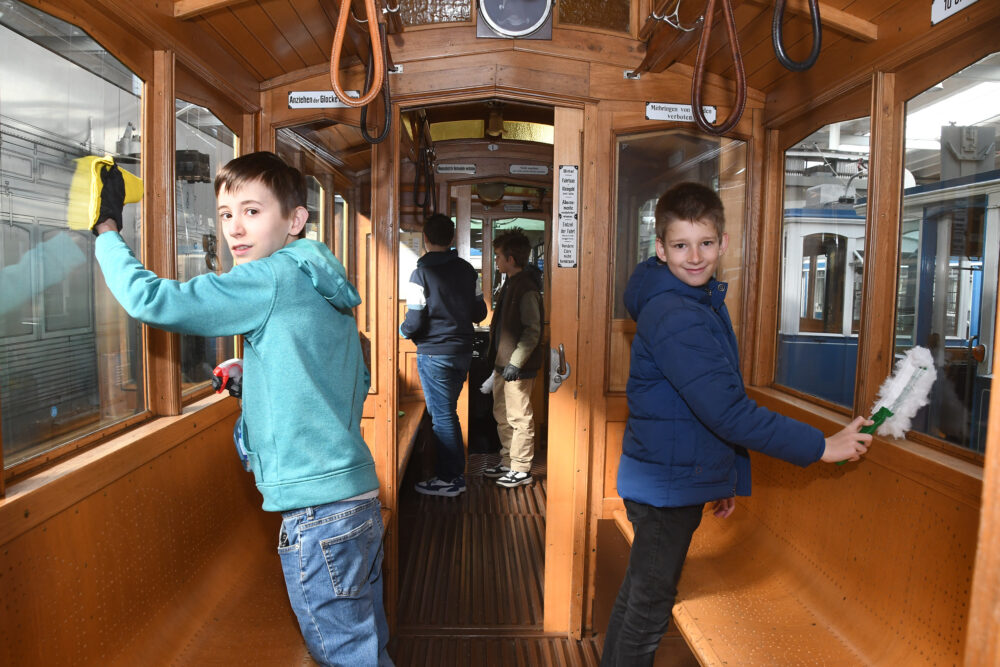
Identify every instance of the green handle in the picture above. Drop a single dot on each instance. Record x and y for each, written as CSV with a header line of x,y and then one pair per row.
x,y
879,417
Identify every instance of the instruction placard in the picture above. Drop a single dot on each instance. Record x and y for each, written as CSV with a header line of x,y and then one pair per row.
x,y
568,212
677,112
318,99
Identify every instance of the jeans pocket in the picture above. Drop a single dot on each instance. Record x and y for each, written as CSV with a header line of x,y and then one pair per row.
x,y
349,559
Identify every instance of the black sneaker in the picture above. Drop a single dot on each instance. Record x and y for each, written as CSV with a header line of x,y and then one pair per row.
x,y
438,487
496,471
514,478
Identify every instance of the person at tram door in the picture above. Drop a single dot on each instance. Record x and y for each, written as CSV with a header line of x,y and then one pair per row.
x,y
442,304
304,386
690,421
516,351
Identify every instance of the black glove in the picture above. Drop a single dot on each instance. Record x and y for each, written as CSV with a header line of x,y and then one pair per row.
x,y
511,373
112,196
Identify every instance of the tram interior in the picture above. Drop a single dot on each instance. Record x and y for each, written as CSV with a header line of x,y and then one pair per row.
x,y
862,200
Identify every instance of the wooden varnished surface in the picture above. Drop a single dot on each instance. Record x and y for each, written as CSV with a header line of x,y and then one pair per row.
x,y
472,575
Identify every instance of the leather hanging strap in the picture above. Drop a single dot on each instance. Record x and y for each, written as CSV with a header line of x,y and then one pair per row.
x,y
698,78
777,25
378,65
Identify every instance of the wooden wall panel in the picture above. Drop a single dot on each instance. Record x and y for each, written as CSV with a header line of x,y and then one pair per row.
x,y
89,559
896,554
563,565
983,638
619,354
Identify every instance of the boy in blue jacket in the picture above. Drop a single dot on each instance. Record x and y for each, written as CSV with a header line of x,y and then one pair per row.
x,y
690,421
304,386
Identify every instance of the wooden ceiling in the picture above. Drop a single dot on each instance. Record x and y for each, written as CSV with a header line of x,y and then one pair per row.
x,y
279,38
286,40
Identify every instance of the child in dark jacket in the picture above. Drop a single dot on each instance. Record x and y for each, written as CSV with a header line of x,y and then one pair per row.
x,y
442,303
690,421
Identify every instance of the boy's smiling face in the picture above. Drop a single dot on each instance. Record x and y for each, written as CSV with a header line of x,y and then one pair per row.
x,y
253,223
692,250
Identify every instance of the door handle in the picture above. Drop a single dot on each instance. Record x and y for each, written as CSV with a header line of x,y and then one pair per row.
x,y
558,368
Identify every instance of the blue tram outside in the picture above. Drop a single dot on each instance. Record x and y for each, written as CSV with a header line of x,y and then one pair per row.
x,y
949,246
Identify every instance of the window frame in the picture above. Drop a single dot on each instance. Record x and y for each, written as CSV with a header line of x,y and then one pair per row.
x,y
886,92
164,76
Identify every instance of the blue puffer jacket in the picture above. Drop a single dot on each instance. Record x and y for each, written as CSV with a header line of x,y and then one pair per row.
x,y
689,416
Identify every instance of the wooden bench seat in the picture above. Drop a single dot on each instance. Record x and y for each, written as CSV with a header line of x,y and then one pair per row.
x,y
862,566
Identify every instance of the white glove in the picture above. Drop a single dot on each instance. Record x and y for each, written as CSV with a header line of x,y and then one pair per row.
x,y
487,387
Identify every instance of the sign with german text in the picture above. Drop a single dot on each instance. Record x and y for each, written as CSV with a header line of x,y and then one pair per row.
x,y
677,112
529,169
568,215
318,99
456,169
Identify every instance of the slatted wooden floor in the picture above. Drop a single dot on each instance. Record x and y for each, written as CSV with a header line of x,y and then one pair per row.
x,y
472,576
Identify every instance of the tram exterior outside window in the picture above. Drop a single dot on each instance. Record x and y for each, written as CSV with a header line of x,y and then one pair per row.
x,y
950,232
203,144
70,358
823,248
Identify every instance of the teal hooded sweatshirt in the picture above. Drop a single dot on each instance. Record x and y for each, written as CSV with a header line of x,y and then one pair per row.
x,y
304,379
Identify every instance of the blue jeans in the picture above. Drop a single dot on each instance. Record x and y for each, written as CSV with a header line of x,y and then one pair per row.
x,y
331,556
442,377
646,598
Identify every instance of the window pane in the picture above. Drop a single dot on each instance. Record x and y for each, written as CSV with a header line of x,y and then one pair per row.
x,y
823,238
70,360
315,199
204,144
947,284
648,165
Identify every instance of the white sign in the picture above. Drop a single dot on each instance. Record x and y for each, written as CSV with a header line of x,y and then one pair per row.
x,y
566,228
318,99
456,169
942,9
677,112
529,169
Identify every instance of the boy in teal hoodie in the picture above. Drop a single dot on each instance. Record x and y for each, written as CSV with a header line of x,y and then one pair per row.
x,y
304,386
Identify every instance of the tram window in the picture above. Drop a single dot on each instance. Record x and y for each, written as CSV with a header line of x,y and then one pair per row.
x,y
947,280
70,358
340,230
315,197
535,231
648,164
823,257
204,144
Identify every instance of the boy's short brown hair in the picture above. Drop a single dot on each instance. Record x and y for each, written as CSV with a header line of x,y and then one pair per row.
x,y
285,182
692,202
515,245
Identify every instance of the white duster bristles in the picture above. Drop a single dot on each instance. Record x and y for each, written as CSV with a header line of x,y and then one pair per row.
x,y
905,391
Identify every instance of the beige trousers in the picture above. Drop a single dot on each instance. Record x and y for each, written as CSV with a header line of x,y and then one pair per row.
x,y
515,422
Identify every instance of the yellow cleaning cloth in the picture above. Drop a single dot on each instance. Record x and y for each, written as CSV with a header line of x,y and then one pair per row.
x,y
85,191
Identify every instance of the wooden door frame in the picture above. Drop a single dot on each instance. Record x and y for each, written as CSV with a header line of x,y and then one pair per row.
x,y
568,480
